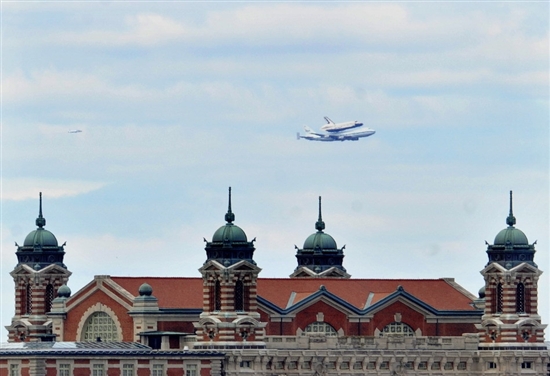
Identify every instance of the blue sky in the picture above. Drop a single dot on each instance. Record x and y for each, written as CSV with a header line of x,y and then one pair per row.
x,y
179,100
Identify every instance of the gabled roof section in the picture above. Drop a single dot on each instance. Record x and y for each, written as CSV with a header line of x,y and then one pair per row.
x,y
286,294
364,293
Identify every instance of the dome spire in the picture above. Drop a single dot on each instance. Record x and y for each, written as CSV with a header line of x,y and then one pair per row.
x,y
511,220
40,221
229,216
320,225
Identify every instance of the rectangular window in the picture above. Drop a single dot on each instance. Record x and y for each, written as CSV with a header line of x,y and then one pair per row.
x,y
158,370
461,366
191,370
14,369
448,365
526,365
385,365
127,370
436,365
423,365
245,364
64,369
98,370
491,365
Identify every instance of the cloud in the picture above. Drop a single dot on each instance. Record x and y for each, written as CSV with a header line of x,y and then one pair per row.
x,y
18,189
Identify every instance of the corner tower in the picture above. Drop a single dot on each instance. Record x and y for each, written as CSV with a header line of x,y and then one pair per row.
x,y
511,319
320,257
230,316
38,275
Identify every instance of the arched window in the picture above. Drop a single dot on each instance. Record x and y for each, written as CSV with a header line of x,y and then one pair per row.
x,y
48,299
499,301
217,296
100,326
28,299
520,298
397,328
319,327
239,295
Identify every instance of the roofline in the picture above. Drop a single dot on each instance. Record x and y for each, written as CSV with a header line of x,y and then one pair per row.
x,y
375,306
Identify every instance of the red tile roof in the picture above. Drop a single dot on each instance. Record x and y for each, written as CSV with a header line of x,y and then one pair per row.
x,y
170,292
187,292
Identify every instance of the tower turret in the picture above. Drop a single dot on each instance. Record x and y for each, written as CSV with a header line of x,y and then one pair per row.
x,y
38,275
230,313
320,256
511,319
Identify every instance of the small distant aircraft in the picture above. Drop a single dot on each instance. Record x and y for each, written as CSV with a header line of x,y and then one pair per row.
x,y
337,127
346,133
75,131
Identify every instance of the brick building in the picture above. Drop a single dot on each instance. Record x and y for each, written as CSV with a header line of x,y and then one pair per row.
x,y
317,321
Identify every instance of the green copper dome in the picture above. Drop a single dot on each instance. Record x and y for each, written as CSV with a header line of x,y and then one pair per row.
x,y
229,243
229,233
40,237
511,236
320,240
511,247
320,251
40,247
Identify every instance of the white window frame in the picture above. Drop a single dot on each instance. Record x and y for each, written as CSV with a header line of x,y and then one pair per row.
x,y
14,369
397,329
192,369
64,369
128,367
157,369
320,327
98,369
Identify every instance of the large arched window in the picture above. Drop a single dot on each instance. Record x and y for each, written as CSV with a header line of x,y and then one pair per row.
x,y
397,328
319,327
100,326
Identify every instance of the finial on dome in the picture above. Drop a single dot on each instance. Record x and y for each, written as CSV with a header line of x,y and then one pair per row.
x,y
229,216
511,220
320,225
40,221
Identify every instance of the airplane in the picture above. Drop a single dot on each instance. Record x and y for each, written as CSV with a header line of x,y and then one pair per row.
x,y
75,131
337,127
344,135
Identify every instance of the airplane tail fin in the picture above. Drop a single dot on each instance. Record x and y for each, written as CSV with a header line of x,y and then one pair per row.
x,y
307,129
328,120
298,136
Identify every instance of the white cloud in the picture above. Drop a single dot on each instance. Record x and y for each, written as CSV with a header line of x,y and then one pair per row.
x,y
18,189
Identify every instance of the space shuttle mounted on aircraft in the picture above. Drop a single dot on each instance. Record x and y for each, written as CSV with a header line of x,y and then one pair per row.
x,y
331,126
347,131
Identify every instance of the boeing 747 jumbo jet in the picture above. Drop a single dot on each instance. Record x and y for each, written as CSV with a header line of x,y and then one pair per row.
x,y
346,133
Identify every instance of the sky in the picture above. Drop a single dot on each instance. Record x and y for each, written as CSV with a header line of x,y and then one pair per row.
x,y
177,101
